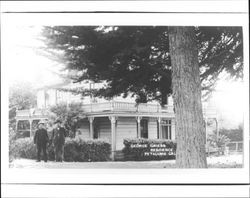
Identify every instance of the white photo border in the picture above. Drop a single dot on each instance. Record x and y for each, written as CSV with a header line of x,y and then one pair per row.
x,y
124,176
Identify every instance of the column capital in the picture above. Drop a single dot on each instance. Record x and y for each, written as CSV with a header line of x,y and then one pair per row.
x,y
138,118
91,119
112,119
159,119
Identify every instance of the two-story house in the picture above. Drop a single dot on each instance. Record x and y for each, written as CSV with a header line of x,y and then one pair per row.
x,y
112,120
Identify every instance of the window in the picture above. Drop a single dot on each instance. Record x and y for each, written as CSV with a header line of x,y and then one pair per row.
x,y
96,130
166,129
144,128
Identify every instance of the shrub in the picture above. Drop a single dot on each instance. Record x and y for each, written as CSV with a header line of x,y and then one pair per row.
x,y
75,150
71,116
25,148
233,134
81,150
219,143
149,149
12,138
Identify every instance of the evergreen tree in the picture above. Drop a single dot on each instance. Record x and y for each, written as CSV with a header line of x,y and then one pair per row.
x,y
152,62
136,60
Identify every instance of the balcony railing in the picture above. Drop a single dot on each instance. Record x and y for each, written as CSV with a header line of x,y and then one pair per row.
x,y
116,107
32,112
126,107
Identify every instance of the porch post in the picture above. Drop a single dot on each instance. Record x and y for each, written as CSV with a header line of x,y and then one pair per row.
x,y
30,121
160,129
217,129
91,133
205,120
138,126
237,146
16,125
113,136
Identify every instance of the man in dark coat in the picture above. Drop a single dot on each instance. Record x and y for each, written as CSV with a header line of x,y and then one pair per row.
x,y
58,140
41,139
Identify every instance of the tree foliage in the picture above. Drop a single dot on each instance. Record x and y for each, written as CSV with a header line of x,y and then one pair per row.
x,y
219,141
220,49
21,96
70,115
233,134
135,60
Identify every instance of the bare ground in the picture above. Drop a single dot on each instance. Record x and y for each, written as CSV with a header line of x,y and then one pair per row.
x,y
230,161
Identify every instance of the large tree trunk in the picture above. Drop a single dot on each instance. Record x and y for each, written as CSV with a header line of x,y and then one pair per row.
x,y
190,132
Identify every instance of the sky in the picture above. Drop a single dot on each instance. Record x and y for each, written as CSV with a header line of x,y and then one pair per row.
x,y
25,65
227,99
29,66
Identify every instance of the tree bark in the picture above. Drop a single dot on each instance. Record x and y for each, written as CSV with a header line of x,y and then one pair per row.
x,y
190,132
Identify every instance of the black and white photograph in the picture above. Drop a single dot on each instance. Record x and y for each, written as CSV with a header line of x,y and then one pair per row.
x,y
127,94
102,101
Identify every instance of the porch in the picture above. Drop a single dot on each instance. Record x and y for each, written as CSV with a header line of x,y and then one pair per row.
x,y
27,120
118,120
115,128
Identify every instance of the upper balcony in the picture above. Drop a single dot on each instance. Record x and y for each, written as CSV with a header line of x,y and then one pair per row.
x,y
126,107
116,108
32,113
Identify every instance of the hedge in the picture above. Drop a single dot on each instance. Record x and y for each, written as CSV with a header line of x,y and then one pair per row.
x,y
80,150
25,148
148,149
75,150
22,148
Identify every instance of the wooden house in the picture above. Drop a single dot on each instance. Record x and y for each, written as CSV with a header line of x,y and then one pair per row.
x,y
115,120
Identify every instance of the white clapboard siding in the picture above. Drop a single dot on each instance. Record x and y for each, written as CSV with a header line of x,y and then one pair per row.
x,y
126,128
152,128
84,128
104,128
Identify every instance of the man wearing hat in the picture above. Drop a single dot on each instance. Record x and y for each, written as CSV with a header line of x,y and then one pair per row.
x,y
41,139
58,140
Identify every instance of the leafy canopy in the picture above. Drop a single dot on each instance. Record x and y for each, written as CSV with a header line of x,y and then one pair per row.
x,y
21,96
69,114
135,59
233,134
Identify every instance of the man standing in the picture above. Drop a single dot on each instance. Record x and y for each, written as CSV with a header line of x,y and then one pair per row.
x,y
58,140
41,139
